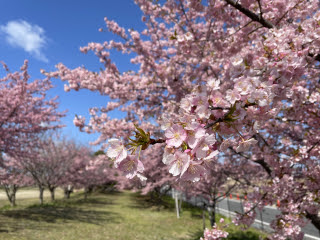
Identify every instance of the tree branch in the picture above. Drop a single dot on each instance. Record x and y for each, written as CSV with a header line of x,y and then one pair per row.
x,y
154,141
314,145
259,161
254,17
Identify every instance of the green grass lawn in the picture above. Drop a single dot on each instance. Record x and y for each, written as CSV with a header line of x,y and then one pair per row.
x,y
117,216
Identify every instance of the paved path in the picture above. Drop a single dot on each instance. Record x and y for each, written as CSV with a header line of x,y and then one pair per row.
x,y
262,220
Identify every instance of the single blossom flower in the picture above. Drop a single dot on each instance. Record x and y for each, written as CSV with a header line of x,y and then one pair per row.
x,y
175,136
194,172
180,163
203,145
245,145
116,150
213,84
194,136
233,96
226,144
131,165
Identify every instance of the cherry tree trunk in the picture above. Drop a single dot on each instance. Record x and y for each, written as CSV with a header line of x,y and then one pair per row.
x,y
67,191
13,200
67,194
52,190
87,190
11,193
41,189
212,213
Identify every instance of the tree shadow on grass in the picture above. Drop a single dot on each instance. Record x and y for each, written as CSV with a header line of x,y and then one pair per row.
x,y
195,235
151,201
42,216
88,201
243,235
165,203
111,193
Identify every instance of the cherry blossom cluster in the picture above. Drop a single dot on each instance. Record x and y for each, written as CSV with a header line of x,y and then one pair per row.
x,y
225,81
127,163
215,233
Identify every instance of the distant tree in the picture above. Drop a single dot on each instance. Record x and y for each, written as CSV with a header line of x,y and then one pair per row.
x,y
24,109
51,159
12,177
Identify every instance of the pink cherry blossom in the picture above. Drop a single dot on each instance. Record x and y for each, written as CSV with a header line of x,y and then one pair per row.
x,y
194,172
214,234
131,166
175,135
116,150
180,163
246,144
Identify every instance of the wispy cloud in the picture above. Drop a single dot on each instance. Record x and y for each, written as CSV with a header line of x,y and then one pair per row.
x,y
31,38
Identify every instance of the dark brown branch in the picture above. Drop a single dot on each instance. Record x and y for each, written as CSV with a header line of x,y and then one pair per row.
x,y
212,124
218,108
265,23
314,145
250,14
262,163
154,141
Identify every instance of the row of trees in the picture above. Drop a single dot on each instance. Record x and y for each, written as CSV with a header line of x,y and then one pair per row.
x,y
26,113
31,151
54,162
233,84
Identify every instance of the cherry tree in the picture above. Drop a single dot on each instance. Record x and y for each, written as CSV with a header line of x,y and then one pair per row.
x,y
24,108
95,171
12,177
227,77
50,161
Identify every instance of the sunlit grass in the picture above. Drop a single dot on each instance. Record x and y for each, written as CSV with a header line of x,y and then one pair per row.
x,y
115,215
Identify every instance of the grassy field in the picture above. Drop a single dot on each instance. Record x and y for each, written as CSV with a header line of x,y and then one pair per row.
x,y
116,216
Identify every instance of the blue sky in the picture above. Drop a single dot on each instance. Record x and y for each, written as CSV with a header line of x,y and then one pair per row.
x,y
49,32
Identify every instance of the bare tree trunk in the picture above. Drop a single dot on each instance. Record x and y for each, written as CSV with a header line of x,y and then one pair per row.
x,y
87,190
13,200
11,193
41,189
67,191
204,217
52,189
180,202
212,213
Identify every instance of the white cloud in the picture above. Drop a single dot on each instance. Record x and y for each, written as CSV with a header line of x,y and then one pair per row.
x,y
30,38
